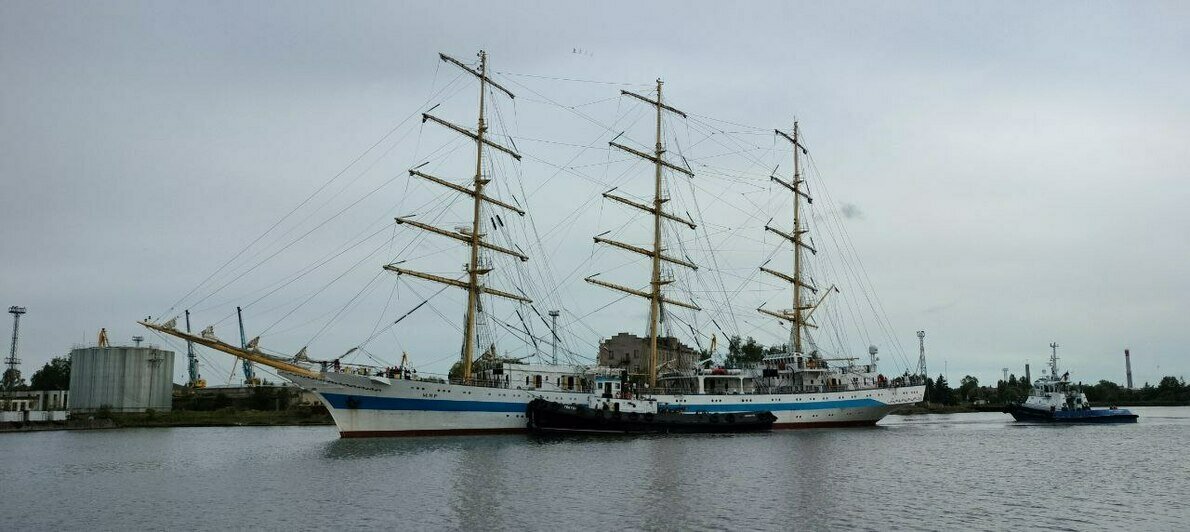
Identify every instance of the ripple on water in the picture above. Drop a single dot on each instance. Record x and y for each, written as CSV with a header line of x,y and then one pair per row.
x,y
970,471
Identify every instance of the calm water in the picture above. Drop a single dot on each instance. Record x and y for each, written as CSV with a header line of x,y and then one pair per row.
x,y
969,471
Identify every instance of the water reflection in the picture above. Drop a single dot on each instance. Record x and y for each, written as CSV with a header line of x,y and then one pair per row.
x,y
951,472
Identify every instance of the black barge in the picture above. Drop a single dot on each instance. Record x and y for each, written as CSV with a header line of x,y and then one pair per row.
x,y
548,416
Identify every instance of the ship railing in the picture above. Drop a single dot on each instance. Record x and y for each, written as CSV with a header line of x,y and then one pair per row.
x,y
497,383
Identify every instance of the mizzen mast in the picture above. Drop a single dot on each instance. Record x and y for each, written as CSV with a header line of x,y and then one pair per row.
x,y
799,315
657,253
474,238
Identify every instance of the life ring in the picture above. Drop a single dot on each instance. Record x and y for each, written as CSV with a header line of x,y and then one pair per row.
x,y
714,418
730,418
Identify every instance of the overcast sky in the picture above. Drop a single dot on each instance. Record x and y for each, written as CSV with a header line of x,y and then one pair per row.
x,y
1010,174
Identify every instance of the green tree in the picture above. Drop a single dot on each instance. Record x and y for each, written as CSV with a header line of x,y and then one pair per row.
x,y
967,387
941,392
12,380
742,353
54,375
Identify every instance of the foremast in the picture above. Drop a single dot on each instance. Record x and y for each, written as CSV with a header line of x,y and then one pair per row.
x,y
475,268
799,315
657,253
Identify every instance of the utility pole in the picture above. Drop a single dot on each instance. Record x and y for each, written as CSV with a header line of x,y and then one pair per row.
x,y
12,375
554,330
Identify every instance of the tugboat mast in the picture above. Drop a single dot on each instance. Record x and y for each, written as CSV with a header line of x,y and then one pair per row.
x,y
1054,360
654,295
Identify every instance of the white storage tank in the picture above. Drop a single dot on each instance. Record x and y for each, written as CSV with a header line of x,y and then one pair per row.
x,y
122,379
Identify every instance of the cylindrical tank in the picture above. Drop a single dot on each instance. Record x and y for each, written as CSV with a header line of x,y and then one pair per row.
x,y
122,379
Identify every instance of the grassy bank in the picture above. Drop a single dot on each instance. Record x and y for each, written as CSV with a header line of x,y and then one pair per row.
x,y
223,418
182,418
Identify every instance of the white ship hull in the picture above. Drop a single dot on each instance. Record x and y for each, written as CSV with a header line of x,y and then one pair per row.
x,y
375,406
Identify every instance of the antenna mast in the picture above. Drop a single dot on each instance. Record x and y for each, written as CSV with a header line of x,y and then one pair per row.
x,y
654,295
474,238
1054,360
921,357
12,375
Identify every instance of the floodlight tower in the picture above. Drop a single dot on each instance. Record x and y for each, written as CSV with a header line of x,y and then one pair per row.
x,y
12,374
921,359
554,331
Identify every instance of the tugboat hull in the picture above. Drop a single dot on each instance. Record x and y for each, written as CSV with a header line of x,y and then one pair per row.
x,y
548,416
1022,413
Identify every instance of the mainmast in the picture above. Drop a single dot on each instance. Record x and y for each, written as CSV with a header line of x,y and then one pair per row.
x,y
474,238
800,313
654,295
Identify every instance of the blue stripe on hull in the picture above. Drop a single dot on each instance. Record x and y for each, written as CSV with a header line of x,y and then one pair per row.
x,y
367,402
371,402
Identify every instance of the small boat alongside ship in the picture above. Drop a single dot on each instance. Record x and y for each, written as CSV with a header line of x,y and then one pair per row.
x,y
637,416
1054,400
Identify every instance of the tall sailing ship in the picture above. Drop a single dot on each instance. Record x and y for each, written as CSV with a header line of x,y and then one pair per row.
x,y
797,383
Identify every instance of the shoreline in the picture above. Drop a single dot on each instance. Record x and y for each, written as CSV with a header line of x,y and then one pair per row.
x,y
316,418
920,409
180,418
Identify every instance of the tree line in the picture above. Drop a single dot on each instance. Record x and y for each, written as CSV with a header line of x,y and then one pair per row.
x,y
54,375
1170,390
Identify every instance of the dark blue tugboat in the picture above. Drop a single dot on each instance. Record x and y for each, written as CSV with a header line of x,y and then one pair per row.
x,y
637,416
1054,400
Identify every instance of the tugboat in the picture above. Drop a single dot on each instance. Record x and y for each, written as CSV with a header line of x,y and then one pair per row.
x,y
1054,400
637,416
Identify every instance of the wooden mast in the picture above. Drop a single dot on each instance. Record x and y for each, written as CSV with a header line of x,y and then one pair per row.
x,y
655,284
474,239
657,254
797,316
796,330
473,269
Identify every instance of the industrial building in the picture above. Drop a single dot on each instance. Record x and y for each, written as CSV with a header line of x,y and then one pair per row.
x,y
36,405
121,378
631,352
